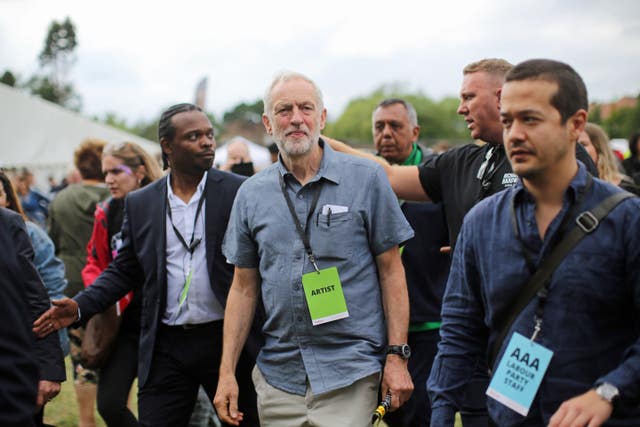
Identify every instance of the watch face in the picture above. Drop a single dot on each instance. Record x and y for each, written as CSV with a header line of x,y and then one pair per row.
x,y
406,351
403,350
607,391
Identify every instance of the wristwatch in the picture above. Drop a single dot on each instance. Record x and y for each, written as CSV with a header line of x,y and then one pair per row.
x,y
403,350
608,392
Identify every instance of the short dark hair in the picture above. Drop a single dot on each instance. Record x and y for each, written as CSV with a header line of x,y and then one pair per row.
x,y
165,126
88,159
571,95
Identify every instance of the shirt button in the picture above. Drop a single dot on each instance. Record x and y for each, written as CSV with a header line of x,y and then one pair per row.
x,y
299,319
296,287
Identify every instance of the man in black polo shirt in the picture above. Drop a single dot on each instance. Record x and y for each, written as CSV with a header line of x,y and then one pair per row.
x,y
464,175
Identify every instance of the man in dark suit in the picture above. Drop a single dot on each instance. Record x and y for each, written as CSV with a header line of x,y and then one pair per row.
x,y
17,272
18,368
172,233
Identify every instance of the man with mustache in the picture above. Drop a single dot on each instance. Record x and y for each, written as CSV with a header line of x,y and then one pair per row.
x,y
578,332
395,134
172,234
316,235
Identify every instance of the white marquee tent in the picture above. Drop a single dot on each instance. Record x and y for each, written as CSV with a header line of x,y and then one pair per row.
x,y
42,136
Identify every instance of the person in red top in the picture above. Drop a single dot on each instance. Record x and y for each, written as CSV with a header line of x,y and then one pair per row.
x,y
126,167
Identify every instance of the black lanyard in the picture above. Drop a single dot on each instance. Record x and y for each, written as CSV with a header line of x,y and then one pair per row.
x,y
302,231
528,255
193,244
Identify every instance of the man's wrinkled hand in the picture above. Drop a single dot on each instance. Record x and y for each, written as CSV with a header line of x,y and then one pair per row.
x,y
588,409
63,313
396,380
226,400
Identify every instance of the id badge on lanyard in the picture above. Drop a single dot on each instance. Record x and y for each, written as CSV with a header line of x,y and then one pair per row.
x,y
322,288
519,374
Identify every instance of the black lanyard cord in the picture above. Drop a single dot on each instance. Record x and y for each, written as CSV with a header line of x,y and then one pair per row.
x,y
528,255
193,244
302,231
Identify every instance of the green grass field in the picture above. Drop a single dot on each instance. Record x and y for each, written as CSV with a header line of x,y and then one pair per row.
x,y
63,410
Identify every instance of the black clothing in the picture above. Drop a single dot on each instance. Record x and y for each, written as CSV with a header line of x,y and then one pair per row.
x,y
426,270
631,166
18,369
172,364
168,397
116,377
453,178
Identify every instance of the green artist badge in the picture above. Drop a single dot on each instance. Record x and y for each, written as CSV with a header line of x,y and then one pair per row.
x,y
325,298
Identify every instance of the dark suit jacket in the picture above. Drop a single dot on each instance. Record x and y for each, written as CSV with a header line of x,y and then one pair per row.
x,y
23,362
141,260
48,351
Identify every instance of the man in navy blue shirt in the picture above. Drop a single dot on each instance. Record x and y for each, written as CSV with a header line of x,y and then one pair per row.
x,y
589,320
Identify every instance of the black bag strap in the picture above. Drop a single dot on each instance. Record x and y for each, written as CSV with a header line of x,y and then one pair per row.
x,y
586,222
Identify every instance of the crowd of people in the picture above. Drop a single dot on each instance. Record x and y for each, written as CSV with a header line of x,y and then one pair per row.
x,y
497,279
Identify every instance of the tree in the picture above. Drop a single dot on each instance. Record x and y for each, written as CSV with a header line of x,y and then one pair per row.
x,y
245,119
8,78
437,120
58,52
56,59
245,112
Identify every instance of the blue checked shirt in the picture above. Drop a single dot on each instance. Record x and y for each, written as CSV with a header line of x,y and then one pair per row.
x,y
261,234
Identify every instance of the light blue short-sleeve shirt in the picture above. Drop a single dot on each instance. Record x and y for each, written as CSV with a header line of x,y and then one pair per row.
x,y
261,234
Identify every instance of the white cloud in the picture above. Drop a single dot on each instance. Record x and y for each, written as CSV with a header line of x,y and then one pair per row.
x,y
136,57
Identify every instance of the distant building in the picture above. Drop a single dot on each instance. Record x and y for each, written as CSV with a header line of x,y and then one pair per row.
x,y
607,109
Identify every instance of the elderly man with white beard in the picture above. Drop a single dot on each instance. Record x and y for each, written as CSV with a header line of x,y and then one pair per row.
x,y
316,235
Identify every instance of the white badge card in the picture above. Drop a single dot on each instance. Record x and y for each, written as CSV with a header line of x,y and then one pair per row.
x,y
519,373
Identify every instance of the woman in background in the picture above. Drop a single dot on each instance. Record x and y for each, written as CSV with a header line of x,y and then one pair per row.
x,y
126,167
596,142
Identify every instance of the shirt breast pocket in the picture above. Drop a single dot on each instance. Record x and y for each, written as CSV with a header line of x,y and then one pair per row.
x,y
334,236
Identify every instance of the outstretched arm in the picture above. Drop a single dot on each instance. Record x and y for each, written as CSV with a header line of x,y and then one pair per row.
x,y
63,313
404,180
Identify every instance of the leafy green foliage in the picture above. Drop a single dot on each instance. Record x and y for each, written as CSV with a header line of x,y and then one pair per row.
x,y
437,119
621,123
245,112
56,58
62,94
59,43
8,78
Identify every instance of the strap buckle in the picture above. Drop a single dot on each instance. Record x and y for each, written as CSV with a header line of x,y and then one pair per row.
x,y
587,221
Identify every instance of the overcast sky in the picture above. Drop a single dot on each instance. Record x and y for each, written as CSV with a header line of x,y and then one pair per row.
x,y
136,57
